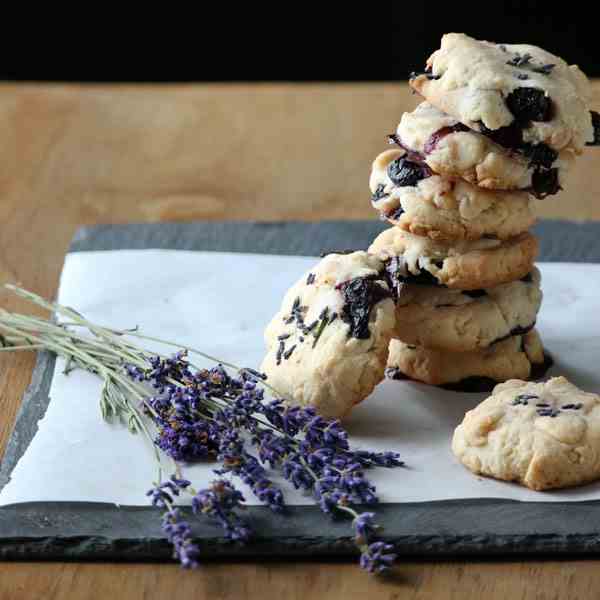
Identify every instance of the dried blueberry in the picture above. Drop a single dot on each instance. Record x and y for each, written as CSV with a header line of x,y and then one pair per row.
x,y
529,104
544,182
596,125
360,296
434,139
404,172
539,155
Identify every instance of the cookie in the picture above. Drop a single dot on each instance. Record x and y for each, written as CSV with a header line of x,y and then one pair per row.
x,y
509,359
513,92
444,209
449,148
541,435
464,265
328,344
462,320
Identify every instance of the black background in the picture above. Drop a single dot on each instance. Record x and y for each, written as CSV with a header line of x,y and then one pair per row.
x,y
284,42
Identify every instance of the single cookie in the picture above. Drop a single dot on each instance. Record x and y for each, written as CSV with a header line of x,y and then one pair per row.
x,y
541,435
463,265
509,359
512,91
328,345
461,321
449,148
444,209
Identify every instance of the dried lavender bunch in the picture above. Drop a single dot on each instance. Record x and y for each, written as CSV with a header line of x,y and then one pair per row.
x,y
191,414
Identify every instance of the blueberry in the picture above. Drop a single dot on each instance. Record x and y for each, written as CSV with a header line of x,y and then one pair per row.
x,y
360,296
510,136
545,182
529,104
596,125
404,172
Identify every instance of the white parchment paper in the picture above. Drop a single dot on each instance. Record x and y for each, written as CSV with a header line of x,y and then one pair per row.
x,y
220,303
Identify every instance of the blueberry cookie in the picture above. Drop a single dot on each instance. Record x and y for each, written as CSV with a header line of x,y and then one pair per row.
x,y
478,370
423,203
519,95
447,147
541,435
328,344
463,320
471,265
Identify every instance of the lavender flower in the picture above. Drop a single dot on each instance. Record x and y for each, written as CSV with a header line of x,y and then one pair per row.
x,y
377,557
207,412
220,501
364,528
179,535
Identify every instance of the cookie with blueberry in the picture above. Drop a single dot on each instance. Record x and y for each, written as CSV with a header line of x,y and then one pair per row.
x,y
463,265
541,435
476,371
449,148
426,204
462,320
514,91
328,345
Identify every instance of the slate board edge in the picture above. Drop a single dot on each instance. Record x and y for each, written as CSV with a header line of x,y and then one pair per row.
x,y
88,531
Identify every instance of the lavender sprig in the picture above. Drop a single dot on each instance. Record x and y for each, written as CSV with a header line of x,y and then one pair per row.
x,y
191,414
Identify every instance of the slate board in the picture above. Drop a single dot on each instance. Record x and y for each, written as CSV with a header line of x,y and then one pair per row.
x,y
478,528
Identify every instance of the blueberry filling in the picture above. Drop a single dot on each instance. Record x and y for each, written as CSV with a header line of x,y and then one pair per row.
x,y
405,172
545,183
510,136
528,278
379,193
539,155
474,293
433,141
596,125
544,179
398,274
515,331
360,296
529,104
394,215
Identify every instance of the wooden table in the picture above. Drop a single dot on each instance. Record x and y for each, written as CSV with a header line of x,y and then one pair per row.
x,y
73,155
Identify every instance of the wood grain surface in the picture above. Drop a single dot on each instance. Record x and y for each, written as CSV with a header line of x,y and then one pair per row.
x,y
74,155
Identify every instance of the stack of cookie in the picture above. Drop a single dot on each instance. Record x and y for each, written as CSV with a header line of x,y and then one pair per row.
x,y
500,125
449,294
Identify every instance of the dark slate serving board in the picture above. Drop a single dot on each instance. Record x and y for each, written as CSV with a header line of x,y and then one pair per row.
x,y
479,528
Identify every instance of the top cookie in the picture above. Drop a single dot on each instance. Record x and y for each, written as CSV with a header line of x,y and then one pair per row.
x,y
516,88
543,435
328,344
